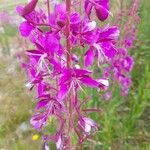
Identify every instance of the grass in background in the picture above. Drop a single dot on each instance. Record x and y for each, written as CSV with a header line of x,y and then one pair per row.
x,y
15,109
126,121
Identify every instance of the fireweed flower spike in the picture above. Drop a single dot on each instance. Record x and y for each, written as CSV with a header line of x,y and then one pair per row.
x,y
120,67
58,73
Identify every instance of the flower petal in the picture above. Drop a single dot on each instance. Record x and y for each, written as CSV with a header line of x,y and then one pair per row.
x,y
102,9
88,81
25,29
38,121
82,72
42,104
103,83
64,89
108,49
29,7
90,26
89,57
88,8
109,33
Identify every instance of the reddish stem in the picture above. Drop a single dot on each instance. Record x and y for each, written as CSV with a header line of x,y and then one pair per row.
x,y
48,9
68,44
68,49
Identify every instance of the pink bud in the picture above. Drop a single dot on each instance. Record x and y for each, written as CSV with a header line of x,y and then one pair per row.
x,y
29,7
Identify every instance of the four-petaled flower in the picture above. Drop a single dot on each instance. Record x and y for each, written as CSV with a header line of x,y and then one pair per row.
x,y
73,78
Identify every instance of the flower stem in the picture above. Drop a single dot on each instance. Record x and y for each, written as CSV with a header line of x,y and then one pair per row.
x,y
48,9
68,44
68,49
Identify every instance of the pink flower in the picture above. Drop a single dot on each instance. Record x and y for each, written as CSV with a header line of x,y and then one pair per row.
x,y
58,17
55,69
104,46
72,78
38,121
87,124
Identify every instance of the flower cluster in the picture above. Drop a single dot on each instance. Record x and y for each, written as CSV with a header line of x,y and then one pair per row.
x,y
120,67
59,65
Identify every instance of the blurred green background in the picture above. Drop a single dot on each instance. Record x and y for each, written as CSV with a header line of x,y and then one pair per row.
x,y
125,122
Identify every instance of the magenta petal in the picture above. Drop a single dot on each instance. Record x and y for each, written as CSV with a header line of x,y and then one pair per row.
x,y
89,57
109,33
127,63
87,124
42,104
64,89
102,9
65,78
74,18
29,7
82,72
40,89
19,10
101,13
60,9
25,28
51,43
88,81
38,120
108,49
88,8
52,19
